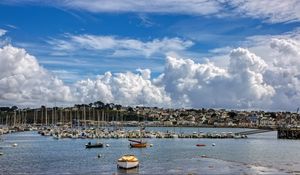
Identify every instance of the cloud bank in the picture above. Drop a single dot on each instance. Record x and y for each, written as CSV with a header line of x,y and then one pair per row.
x,y
266,75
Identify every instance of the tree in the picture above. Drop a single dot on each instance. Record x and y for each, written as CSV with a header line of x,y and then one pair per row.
x,y
14,108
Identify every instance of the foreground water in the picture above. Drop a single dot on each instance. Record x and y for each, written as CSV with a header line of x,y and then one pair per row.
x,y
259,154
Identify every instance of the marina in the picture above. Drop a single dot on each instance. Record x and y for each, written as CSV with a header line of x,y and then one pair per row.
x,y
168,156
149,87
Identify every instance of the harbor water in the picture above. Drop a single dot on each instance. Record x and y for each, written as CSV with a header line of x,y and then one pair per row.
x,y
258,154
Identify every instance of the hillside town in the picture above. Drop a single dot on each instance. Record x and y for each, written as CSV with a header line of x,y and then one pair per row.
x,y
101,114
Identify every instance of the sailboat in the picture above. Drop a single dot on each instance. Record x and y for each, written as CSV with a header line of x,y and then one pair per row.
x,y
138,143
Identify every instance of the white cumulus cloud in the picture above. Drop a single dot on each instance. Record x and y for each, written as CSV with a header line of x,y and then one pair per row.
x,y
123,88
24,81
241,85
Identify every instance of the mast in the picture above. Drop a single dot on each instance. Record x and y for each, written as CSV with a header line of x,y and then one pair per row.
x,y
46,117
84,116
52,116
102,118
71,118
42,113
98,116
14,118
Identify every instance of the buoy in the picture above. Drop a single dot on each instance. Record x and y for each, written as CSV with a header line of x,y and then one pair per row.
x,y
213,144
107,145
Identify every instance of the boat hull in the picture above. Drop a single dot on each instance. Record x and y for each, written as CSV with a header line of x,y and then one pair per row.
x,y
138,145
94,146
127,165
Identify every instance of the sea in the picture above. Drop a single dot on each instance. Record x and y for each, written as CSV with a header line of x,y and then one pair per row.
x,y
258,154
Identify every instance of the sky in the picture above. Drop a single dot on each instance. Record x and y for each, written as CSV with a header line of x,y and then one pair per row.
x,y
238,54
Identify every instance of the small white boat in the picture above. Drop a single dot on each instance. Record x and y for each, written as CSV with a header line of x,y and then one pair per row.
x,y
56,136
14,145
1,153
128,161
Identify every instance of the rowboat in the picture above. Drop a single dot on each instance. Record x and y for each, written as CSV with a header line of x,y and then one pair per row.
x,y
200,145
128,161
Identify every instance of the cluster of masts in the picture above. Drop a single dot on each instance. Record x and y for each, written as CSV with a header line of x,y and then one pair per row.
x,y
59,117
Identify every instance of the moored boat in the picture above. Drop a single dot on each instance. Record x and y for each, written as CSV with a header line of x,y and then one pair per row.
x,y
200,144
95,145
128,161
138,144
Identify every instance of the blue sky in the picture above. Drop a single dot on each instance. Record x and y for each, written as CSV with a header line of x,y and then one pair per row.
x,y
31,26
174,51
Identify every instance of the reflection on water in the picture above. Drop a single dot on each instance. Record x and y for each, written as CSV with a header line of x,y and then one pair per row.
x,y
128,171
259,154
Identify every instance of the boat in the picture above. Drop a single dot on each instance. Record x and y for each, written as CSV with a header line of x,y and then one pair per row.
x,y
56,136
1,153
95,145
200,145
137,144
128,161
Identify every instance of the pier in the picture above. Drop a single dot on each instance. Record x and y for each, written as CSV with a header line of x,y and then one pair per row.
x,y
256,131
288,133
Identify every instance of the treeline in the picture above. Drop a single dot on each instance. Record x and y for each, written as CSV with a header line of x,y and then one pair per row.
x,y
8,109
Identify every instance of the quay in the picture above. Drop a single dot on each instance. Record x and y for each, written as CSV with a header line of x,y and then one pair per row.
x,y
288,133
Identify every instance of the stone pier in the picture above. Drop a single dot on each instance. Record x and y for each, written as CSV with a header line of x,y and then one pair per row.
x,y
288,133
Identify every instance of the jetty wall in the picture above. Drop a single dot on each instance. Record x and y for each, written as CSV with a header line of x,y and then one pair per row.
x,y
288,133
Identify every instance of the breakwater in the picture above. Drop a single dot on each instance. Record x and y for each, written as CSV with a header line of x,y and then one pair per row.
x,y
288,133
60,133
